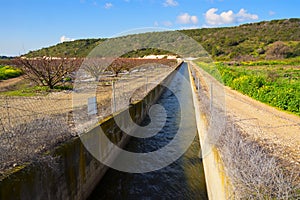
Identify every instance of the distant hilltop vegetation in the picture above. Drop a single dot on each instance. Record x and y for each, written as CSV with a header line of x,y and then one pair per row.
x,y
267,39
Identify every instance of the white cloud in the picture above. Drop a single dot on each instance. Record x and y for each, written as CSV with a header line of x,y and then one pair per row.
x,y
168,3
229,17
194,19
108,5
65,39
242,15
167,23
185,18
271,13
163,23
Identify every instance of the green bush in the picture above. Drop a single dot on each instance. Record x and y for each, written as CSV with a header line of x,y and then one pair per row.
x,y
280,91
7,72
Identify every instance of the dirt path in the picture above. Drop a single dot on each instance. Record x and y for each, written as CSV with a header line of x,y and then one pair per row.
x,y
6,83
278,131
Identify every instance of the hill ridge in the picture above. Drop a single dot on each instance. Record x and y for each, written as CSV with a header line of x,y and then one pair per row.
x,y
246,41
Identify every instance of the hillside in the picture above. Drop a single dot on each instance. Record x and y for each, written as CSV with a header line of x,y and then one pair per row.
x,y
77,48
244,42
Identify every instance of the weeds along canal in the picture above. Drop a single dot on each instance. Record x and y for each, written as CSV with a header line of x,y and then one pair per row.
x,y
183,179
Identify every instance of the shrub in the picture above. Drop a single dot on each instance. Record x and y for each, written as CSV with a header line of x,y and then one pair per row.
x,y
278,50
7,72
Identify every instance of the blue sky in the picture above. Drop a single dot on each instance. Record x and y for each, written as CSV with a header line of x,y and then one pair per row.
x,y
32,24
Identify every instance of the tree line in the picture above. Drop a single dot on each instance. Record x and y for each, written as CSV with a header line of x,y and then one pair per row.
x,y
51,71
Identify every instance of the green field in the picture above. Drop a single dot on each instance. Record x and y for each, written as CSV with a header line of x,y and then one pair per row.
x,y
7,72
276,82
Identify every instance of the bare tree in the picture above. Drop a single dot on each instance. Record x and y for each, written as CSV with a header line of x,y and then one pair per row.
x,y
47,71
125,64
95,66
119,65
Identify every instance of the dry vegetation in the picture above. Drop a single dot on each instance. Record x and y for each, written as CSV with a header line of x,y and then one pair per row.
x,y
253,171
31,125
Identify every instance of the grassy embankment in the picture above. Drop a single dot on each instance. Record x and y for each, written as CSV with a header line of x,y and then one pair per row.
x,y
274,82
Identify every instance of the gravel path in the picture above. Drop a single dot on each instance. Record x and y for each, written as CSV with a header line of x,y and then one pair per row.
x,y
278,130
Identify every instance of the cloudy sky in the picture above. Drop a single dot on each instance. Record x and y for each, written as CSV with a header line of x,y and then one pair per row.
x,y
32,24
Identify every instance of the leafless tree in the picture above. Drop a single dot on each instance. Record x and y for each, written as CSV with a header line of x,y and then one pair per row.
x,y
95,67
119,65
125,64
47,71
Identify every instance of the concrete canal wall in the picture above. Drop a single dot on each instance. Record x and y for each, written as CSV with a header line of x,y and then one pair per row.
x,y
215,178
76,171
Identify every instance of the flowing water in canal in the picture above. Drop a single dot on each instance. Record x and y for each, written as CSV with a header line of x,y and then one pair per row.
x,y
183,179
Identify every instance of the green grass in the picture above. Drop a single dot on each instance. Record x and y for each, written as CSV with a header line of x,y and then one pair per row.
x,y
25,90
277,85
7,72
291,61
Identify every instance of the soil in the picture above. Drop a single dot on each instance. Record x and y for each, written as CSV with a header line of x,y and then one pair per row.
x,y
16,110
5,84
277,130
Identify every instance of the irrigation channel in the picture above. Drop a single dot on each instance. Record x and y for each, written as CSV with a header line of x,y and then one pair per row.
x,y
183,179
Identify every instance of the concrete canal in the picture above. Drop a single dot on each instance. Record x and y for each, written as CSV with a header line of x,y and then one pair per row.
x,y
183,179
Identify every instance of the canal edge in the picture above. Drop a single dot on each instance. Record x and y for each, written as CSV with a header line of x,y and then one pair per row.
x,y
215,178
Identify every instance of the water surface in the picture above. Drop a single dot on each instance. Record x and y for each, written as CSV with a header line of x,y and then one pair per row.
x,y
183,179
